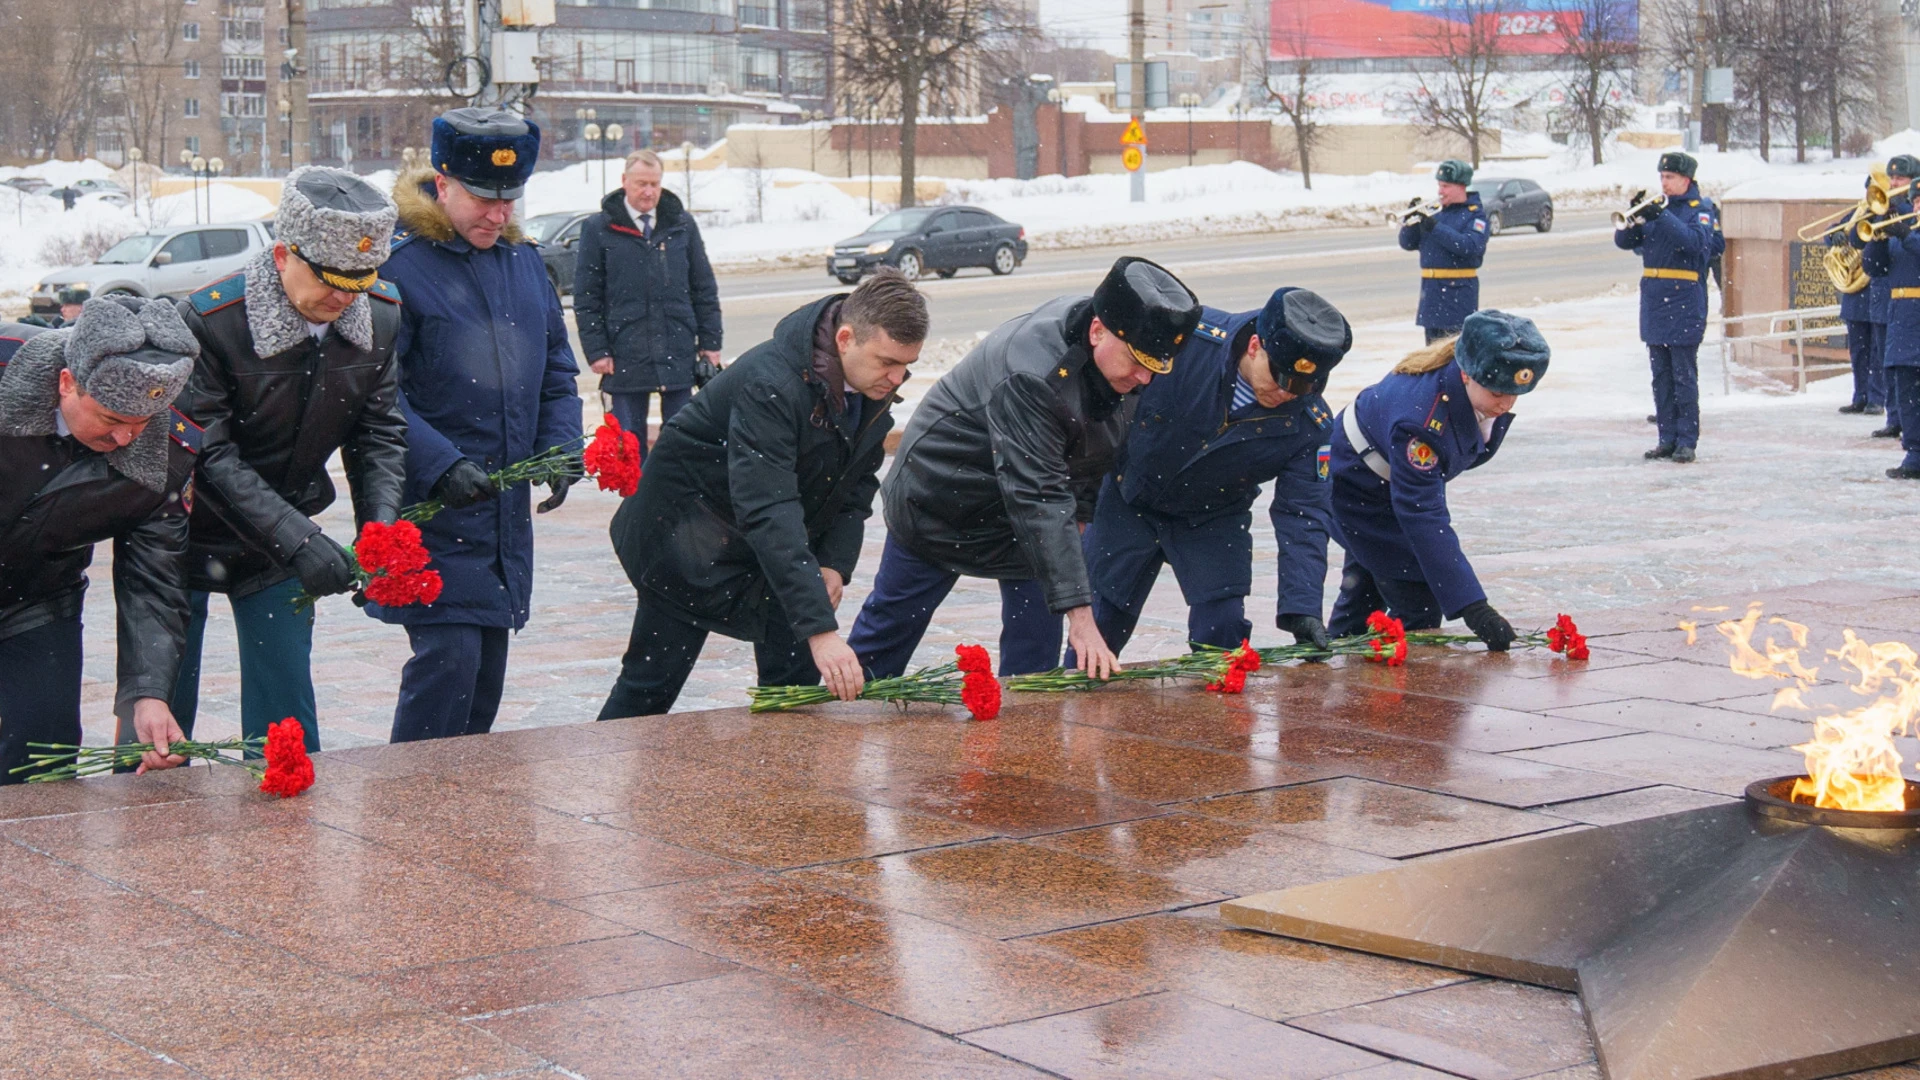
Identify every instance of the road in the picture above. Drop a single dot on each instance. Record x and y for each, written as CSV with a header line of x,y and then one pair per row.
x,y
1362,271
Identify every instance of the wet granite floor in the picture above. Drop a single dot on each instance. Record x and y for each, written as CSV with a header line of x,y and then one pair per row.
x,y
853,891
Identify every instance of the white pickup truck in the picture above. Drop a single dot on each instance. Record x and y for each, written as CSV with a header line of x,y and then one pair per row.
x,y
171,263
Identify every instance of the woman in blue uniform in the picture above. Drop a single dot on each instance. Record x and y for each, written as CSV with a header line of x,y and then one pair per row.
x,y
1442,411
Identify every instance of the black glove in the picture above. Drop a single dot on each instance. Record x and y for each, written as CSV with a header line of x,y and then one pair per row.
x,y
323,566
1488,625
1306,629
463,485
1651,211
1896,228
1427,222
558,486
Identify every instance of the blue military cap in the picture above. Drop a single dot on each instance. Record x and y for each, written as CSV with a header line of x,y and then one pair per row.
x,y
490,151
1454,171
1905,166
1504,353
1304,337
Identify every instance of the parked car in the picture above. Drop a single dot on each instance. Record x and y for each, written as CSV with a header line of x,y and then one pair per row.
x,y
169,263
559,238
943,239
32,185
1513,202
88,187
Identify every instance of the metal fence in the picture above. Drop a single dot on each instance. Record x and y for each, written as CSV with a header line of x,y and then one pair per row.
x,y
1786,337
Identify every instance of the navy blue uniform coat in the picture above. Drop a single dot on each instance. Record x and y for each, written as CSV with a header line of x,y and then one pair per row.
x,y
1457,241
1399,528
1680,242
485,373
1895,265
1194,471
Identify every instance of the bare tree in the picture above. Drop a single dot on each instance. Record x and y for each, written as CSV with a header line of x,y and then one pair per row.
x,y
1601,46
1293,90
51,78
1457,96
139,55
920,54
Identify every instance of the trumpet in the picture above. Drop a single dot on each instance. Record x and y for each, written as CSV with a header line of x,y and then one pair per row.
x,y
1876,229
1878,200
1642,202
1413,213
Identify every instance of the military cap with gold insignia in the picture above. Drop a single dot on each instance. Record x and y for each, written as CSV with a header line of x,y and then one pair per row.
x,y
1504,353
1304,337
1148,308
490,151
338,223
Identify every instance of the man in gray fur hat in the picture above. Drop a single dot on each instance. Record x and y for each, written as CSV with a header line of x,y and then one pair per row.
x,y
91,450
296,362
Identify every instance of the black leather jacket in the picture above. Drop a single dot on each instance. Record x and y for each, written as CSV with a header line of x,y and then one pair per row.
x,y
1004,456
755,486
271,424
57,500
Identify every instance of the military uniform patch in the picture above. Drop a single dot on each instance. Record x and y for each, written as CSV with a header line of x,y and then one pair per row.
x,y
1323,461
1421,456
385,290
223,293
1706,218
186,495
1480,225
184,431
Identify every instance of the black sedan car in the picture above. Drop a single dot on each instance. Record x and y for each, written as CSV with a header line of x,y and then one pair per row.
x,y
943,239
559,237
1513,202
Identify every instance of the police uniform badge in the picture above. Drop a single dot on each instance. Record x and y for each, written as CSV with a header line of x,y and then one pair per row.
x,y
1421,456
1323,461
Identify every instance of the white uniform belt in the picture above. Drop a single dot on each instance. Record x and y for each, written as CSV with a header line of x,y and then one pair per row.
x,y
1370,457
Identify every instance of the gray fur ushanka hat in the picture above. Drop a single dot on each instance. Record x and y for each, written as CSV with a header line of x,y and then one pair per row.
x,y
340,224
132,356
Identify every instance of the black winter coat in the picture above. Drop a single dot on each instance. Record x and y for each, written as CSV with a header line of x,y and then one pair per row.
x,y
272,422
57,500
755,486
651,304
1004,456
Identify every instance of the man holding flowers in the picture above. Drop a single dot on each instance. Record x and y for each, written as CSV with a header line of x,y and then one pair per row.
x,y
296,362
749,516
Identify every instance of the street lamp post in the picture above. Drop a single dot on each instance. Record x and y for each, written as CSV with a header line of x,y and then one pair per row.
x,y
591,133
612,134
215,167
584,115
686,161
134,155
1189,102
199,166
813,141
193,181
286,117
872,108
1059,99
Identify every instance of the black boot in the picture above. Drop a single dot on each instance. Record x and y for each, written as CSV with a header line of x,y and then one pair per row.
x,y
1855,408
1664,450
1652,418
1683,455
1891,431
1874,410
1901,472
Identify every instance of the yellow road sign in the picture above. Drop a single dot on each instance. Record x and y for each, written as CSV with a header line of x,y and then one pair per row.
x,y
1131,158
1134,134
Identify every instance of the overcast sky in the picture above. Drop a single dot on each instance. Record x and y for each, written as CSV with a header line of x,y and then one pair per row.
x,y
1097,22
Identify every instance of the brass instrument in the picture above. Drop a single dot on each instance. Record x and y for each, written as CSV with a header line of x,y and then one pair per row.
x,y
1879,198
1872,230
1413,213
1843,267
1641,202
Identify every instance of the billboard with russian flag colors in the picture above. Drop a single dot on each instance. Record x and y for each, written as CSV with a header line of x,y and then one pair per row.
x,y
1390,29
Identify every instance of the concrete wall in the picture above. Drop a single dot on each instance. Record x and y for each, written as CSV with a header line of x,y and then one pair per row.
x,y
1761,234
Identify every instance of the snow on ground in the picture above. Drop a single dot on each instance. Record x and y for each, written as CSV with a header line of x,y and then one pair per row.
x,y
790,216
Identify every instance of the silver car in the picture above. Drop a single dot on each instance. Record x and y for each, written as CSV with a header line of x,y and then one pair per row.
x,y
171,263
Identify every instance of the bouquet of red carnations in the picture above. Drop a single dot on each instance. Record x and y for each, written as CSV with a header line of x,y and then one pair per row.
x,y
280,760
967,681
389,566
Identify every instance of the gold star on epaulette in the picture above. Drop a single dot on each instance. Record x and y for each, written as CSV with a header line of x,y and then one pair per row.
x,y
180,427
214,295
1062,373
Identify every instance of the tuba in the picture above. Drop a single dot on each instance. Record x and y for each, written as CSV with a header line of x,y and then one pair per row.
x,y
1843,268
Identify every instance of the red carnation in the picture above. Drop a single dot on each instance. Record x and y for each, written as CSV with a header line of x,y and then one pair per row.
x,y
1235,668
399,590
393,549
1231,681
1390,647
289,769
613,458
1565,637
981,694
974,658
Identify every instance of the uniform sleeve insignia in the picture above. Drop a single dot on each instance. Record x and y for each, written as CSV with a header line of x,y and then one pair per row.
x,y
1706,218
184,430
1323,461
385,290
1480,225
1421,456
186,495
223,293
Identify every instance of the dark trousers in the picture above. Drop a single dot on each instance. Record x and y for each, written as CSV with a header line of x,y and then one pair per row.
x,y
661,652
1869,387
39,692
276,674
1676,393
1436,333
1882,387
631,410
452,684
1362,594
906,591
1904,402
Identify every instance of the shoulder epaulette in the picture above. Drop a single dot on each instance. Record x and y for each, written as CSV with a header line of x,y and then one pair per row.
x,y
223,293
1320,415
1693,202
184,430
1212,331
1473,206
400,239
1436,421
385,290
